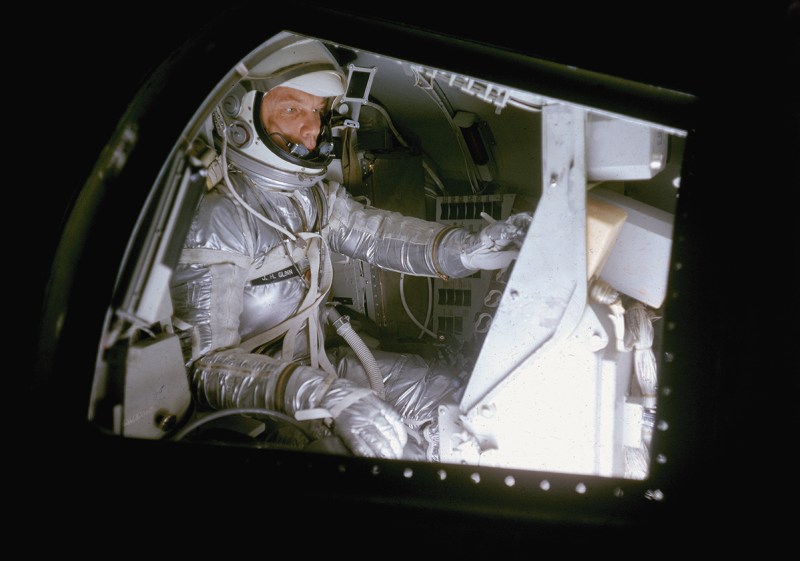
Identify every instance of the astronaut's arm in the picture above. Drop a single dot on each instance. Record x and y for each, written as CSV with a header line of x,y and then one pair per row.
x,y
411,245
232,379
208,302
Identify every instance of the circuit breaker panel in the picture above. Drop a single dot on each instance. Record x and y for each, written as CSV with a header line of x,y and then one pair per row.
x,y
459,305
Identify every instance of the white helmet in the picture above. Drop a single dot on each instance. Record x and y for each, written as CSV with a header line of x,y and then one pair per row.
x,y
292,61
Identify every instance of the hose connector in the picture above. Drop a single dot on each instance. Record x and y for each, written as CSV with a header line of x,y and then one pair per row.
x,y
342,325
337,320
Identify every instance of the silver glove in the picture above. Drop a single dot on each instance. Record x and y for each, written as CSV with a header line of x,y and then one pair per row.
x,y
368,425
497,244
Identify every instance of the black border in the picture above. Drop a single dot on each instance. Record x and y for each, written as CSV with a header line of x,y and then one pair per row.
x,y
724,370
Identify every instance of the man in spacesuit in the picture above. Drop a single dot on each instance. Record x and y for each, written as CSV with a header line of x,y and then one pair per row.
x,y
250,292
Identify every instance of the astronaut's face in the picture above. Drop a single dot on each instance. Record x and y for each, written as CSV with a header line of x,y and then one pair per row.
x,y
295,115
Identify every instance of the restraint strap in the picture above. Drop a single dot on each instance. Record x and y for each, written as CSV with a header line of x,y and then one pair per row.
x,y
307,316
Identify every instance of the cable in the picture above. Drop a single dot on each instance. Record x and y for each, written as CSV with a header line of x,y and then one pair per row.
x,y
633,329
639,330
408,310
429,311
241,411
639,337
433,176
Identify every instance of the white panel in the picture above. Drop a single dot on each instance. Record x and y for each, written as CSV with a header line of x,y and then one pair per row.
x,y
618,149
156,387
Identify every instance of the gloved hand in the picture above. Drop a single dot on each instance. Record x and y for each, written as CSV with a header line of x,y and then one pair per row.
x,y
368,425
497,244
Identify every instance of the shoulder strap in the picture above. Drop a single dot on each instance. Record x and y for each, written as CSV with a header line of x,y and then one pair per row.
x,y
308,314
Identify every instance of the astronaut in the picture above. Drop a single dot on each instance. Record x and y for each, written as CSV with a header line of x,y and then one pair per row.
x,y
251,290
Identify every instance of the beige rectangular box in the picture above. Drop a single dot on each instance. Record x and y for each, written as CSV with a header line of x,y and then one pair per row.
x,y
638,264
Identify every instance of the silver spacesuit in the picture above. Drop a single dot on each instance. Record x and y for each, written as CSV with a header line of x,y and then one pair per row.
x,y
254,277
